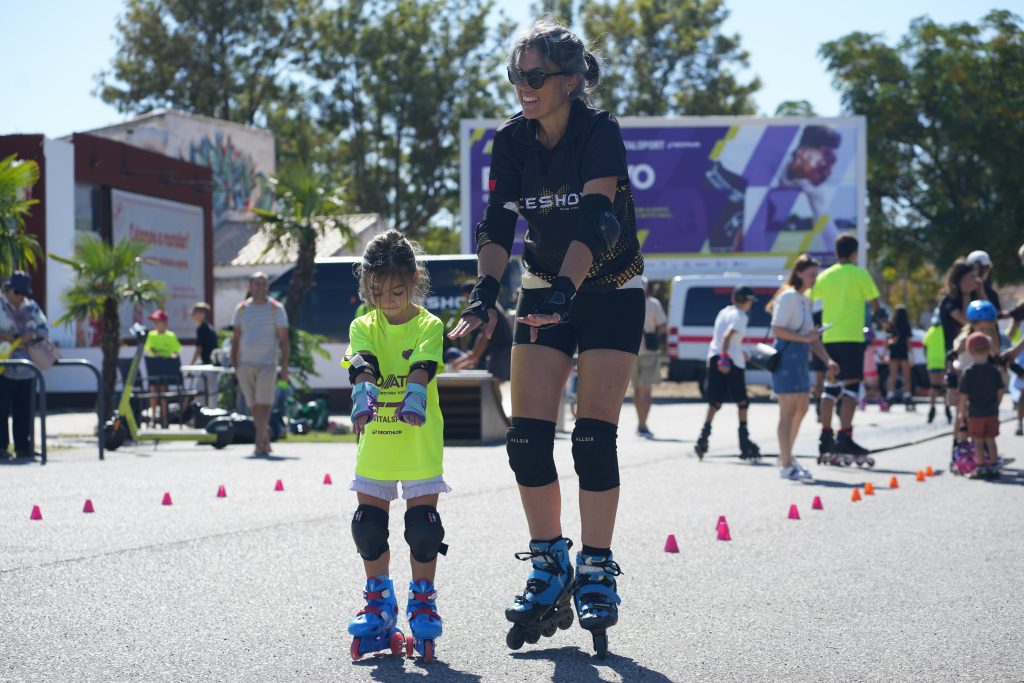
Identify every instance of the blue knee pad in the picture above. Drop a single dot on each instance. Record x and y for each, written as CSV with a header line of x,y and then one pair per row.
x,y
595,455
530,445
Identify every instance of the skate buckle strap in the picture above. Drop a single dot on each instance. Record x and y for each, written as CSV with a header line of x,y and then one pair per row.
x,y
423,597
376,595
370,609
425,610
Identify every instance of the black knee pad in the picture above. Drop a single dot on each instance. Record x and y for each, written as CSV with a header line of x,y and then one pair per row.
x,y
594,454
832,392
370,531
424,533
743,405
715,404
531,451
852,390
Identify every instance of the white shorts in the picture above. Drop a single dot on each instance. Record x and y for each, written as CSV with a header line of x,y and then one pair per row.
x,y
387,489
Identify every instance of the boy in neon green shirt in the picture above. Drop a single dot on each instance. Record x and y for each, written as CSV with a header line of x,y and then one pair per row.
x,y
393,356
160,343
844,289
935,362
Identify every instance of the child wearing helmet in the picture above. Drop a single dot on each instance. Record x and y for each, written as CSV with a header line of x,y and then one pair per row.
x,y
981,317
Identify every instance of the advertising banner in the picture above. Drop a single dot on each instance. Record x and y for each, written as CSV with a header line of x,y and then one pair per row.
x,y
174,233
716,194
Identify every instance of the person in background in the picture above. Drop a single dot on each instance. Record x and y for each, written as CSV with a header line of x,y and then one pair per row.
x,y
160,343
935,362
21,322
981,390
492,354
647,372
982,264
206,336
900,336
961,281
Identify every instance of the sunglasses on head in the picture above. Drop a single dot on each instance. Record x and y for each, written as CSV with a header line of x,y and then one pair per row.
x,y
534,77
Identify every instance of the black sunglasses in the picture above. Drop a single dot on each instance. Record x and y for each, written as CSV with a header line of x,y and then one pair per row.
x,y
534,77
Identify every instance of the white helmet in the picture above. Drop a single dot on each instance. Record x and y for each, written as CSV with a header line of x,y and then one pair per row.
x,y
979,258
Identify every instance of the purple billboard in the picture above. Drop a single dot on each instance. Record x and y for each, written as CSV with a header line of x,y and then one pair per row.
x,y
720,193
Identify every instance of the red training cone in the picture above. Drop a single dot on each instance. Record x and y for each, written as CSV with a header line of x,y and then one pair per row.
x,y
721,521
88,506
723,531
222,492
37,514
816,504
869,489
279,486
167,499
920,475
793,512
327,479
670,544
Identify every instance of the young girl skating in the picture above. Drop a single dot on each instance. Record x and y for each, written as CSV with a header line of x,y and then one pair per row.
x,y
393,356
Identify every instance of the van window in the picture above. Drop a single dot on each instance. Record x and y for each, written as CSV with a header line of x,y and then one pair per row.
x,y
703,304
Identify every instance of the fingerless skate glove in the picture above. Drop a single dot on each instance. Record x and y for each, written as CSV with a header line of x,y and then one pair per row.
x,y
483,297
559,301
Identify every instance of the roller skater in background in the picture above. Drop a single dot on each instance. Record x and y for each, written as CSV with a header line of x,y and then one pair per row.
x,y
844,289
561,166
393,355
935,362
726,371
900,336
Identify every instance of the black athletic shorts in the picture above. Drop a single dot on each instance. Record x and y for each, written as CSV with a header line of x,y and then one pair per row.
x,y
817,365
850,356
601,320
728,387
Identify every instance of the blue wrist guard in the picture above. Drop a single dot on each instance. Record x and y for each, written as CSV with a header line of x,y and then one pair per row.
x,y
364,400
414,403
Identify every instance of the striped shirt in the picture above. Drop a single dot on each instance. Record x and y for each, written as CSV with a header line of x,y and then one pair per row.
x,y
259,324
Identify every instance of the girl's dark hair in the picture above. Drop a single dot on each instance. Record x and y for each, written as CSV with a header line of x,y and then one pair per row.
x,y
556,43
899,323
954,275
391,255
803,262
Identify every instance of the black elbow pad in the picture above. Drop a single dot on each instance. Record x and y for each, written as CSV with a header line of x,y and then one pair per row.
x,y
428,366
497,227
598,228
364,361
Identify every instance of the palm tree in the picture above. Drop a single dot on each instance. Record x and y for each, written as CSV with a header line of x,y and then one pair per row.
x,y
18,249
306,212
105,276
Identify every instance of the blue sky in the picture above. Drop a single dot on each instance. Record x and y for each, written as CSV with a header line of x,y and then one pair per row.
x,y
61,44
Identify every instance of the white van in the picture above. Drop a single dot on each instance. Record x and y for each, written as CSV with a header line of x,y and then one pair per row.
x,y
695,302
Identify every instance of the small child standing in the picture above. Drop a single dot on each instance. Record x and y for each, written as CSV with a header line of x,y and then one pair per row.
x,y
160,343
393,356
981,390
935,362
726,371
900,336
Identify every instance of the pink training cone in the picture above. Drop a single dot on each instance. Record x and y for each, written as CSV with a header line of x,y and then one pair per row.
x,y
723,531
37,514
167,499
793,512
721,521
327,479
222,492
88,506
279,486
670,544
816,505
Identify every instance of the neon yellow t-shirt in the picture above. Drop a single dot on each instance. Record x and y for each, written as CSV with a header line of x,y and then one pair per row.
x,y
935,348
843,290
390,448
162,344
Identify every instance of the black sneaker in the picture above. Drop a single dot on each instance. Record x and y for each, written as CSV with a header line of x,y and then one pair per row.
x,y
949,416
931,415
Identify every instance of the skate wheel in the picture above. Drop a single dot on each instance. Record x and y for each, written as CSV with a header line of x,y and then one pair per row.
x,y
566,620
549,630
410,646
600,645
397,643
514,639
428,651
533,637
356,654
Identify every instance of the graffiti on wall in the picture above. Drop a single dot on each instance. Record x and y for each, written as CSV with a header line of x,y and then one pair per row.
x,y
237,186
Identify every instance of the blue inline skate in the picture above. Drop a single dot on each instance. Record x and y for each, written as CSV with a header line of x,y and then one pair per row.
x,y
424,621
374,626
595,597
543,607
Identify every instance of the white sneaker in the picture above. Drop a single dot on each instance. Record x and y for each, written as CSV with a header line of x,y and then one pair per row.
x,y
792,473
804,472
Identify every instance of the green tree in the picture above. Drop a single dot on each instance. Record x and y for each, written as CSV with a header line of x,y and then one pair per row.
x,y
945,109
106,276
18,249
229,59
668,57
395,78
795,108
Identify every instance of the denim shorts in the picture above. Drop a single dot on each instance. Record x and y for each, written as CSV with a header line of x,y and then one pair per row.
x,y
792,376
387,489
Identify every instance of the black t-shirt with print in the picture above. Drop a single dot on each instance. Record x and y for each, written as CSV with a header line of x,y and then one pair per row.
x,y
981,383
546,187
206,340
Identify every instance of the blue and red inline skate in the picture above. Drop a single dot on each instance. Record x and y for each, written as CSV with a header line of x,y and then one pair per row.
x,y
375,627
424,621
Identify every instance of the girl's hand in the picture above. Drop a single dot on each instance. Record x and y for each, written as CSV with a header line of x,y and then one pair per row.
x,y
359,424
833,368
468,323
410,419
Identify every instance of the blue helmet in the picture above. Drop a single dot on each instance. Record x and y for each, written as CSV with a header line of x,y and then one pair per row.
x,y
981,310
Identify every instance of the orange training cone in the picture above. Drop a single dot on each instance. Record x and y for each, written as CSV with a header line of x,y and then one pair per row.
x,y
222,492
856,495
167,499
37,514
920,475
327,479
929,472
894,483
279,486
869,489
816,504
88,506
670,544
793,512
723,531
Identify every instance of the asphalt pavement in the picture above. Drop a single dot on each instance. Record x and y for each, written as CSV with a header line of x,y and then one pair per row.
x,y
918,583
